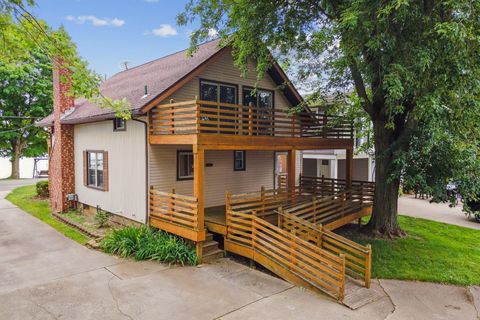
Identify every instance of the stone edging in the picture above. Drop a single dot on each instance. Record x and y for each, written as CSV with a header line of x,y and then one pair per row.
x,y
77,226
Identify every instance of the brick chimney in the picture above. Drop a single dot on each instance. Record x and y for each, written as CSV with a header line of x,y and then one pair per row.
x,y
61,175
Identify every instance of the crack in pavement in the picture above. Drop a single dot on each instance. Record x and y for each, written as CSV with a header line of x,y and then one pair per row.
x,y
389,298
250,303
116,301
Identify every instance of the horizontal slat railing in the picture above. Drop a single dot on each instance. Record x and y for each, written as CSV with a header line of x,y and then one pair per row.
x,y
357,257
264,202
265,243
328,210
198,116
180,212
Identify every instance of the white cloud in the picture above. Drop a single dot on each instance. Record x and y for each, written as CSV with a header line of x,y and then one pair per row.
x,y
165,30
212,33
97,22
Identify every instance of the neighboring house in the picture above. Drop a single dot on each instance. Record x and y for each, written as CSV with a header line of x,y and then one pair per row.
x,y
201,137
331,164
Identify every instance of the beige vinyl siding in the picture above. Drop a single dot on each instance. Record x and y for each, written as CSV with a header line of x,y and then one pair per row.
x,y
218,179
126,167
223,70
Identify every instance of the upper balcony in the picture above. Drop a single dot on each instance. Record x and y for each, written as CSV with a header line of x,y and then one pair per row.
x,y
206,122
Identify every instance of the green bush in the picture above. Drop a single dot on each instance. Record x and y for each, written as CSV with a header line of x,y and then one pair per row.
x,y
42,189
101,218
145,243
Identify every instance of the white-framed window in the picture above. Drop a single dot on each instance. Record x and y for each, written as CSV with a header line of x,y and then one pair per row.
x,y
184,165
119,124
95,169
239,160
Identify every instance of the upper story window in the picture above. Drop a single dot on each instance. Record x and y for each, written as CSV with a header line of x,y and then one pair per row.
x,y
218,92
95,169
119,124
184,165
261,98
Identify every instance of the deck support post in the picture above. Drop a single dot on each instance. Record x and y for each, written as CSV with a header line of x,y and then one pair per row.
x,y
291,168
349,167
198,191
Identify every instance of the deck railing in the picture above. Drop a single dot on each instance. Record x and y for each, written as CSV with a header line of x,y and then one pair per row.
x,y
175,213
282,252
358,258
335,210
198,116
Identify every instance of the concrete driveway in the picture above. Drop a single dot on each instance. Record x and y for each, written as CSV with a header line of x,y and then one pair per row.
x,y
44,275
408,205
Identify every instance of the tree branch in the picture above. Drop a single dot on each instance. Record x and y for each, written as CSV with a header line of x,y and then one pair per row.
x,y
360,88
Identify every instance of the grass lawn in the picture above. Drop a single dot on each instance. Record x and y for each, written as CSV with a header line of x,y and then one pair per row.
x,y
433,251
23,197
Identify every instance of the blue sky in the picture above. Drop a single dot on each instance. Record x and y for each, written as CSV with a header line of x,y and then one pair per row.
x,y
108,32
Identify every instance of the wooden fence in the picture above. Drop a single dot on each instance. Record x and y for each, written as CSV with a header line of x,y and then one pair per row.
x,y
176,213
198,116
358,258
291,257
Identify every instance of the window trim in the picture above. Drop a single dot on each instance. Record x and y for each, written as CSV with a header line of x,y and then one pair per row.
x,y
244,168
218,83
115,128
178,165
104,170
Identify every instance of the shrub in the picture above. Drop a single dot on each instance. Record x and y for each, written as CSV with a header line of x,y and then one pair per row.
x,y
101,218
42,189
145,243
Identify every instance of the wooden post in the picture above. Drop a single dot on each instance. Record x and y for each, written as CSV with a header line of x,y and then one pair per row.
x,y
172,203
349,167
250,118
291,169
368,266
198,191
150,205
262,199
342,286
280,217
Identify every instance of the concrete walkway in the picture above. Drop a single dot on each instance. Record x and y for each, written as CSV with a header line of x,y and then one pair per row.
x,y
421,208
44,275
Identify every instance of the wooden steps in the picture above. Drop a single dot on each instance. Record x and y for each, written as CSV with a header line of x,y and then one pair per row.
x,y
211,251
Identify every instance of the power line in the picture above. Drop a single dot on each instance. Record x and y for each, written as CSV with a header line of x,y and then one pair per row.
x,y
18,129
17,117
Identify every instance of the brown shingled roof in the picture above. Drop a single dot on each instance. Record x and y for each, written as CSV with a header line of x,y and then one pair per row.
x,y
158,75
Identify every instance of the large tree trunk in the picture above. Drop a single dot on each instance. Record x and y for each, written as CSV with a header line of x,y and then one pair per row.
x,y
15,160
384,221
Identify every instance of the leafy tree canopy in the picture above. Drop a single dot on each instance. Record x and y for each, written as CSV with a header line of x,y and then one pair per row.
x,y
413,65
20,31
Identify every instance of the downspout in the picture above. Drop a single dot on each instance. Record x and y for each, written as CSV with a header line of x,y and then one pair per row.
x,y
145,125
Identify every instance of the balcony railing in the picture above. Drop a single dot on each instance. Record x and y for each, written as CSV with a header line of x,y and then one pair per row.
x,y
198,116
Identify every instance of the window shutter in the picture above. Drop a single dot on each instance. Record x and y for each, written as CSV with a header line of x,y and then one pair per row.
x,y
85,168
105,170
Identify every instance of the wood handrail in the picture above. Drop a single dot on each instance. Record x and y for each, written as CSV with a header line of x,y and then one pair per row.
x,y
199,116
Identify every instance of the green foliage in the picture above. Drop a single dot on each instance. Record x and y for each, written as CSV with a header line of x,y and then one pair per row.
x,y
412,64
101,218
24,198
42,188
145,243
21,35
432,251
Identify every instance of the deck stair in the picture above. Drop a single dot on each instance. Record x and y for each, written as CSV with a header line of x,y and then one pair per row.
x,y
211,251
